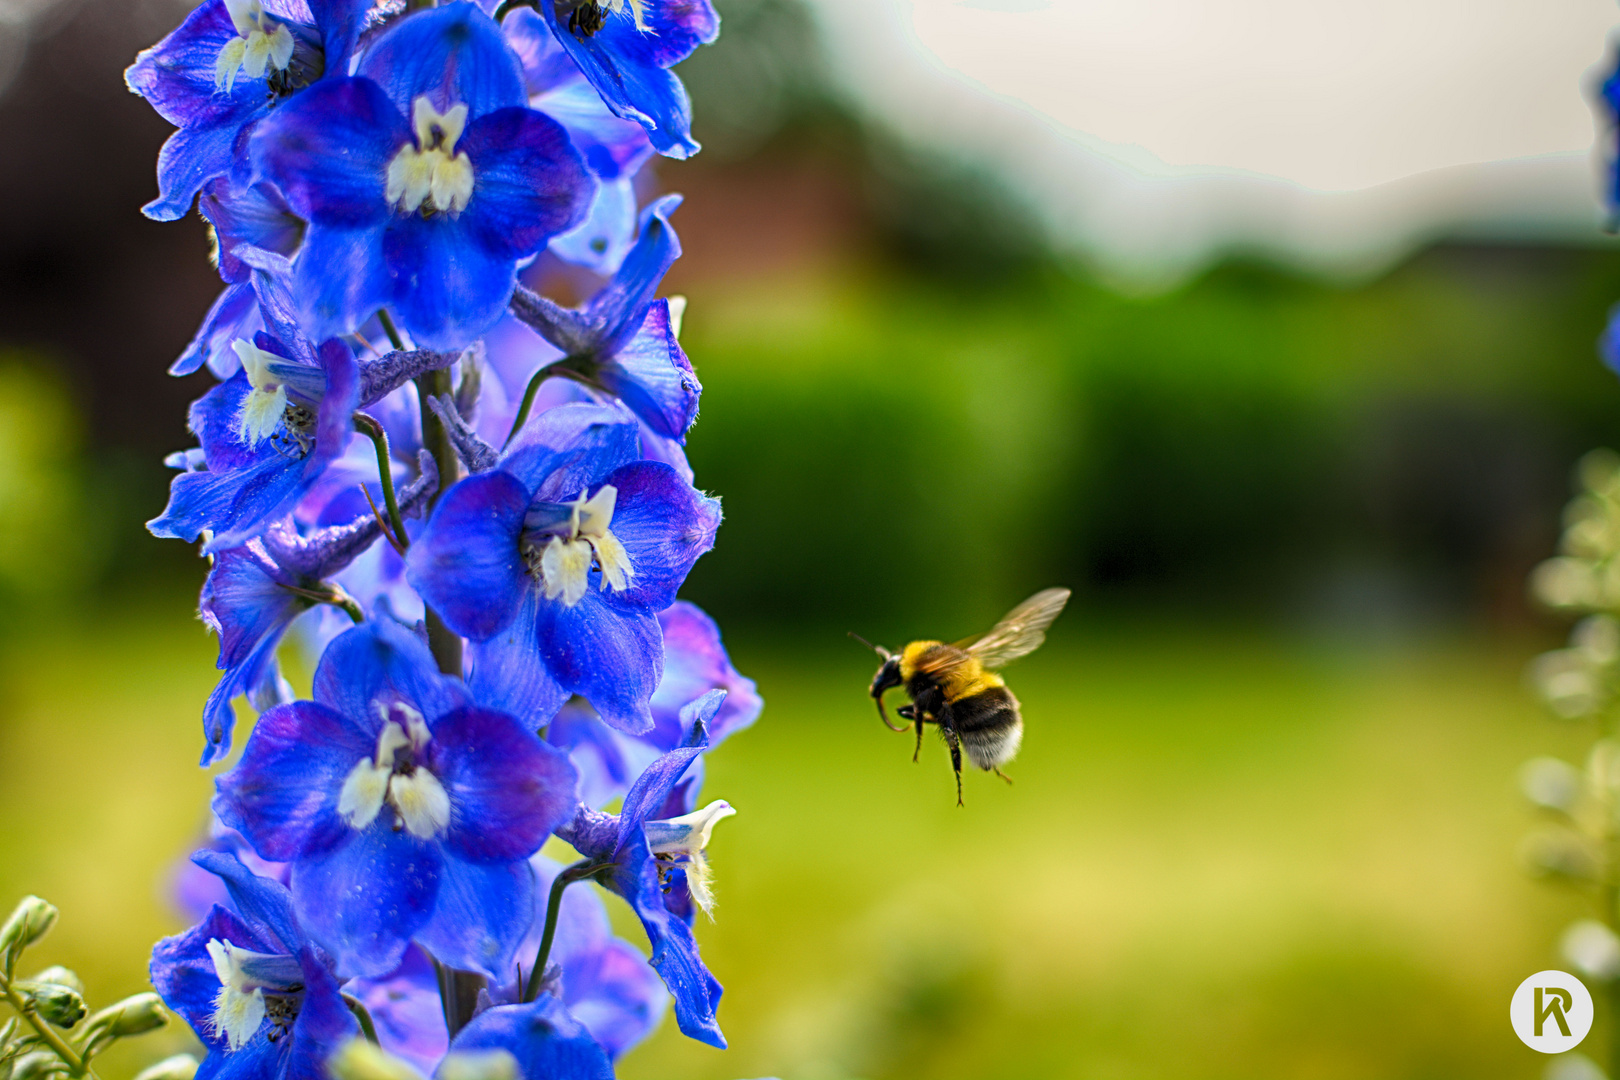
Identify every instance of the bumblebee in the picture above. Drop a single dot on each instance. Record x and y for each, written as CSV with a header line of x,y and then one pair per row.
x,y
956,687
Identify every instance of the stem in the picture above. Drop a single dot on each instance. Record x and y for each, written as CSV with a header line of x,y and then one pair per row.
x,y
379,439
367,1028
77,1066
458,994
509,6
444,644
388,328
577,872
330,594
528,395
568,367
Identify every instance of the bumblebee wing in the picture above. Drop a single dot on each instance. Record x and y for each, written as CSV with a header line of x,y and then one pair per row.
x,y
1021,631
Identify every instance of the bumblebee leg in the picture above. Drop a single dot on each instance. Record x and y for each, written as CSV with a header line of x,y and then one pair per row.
x,y
1001,774
918,750
956,756
885,716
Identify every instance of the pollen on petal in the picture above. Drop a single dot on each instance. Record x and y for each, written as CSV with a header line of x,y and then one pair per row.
x,y
422,802
361,799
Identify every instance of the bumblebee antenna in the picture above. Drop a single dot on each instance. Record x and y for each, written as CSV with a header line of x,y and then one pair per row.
x,y
880,650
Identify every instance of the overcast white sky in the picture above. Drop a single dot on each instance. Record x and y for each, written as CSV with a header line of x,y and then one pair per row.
x,y
1156,132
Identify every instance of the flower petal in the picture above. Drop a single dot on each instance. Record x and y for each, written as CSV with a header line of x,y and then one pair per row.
x,y
365,899
507,672
328,150
466,562
609,655
453,54
480,914
264,903
542,1036
447,286
381,661
283,794
508,790
652,376
674,950
324,1023
664,524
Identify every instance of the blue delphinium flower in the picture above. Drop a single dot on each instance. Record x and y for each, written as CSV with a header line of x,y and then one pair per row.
x,y
227,67
557,562
624,343
658,866
258,994
542,1036
407,809
626,47
424,180
254,592
695,662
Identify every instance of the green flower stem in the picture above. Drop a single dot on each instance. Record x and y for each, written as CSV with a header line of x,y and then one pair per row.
x,y
580,871
367,1028
568,367
379,439
328,593
509,6
77,1066
387,321
442,641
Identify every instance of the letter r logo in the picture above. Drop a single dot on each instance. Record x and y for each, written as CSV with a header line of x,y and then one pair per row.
x,y
1557,1002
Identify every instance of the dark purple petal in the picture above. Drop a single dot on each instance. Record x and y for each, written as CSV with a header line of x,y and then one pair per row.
x,y
324,1023
265,904
454,54
619,308
334,420
664,524
695,662
529,182
652,376
364,899
328,150
466,562
183,974
508,790
283,795
546,1041
234,315
479,918
339,22
507,672
674,950
611,656
447,285
381,661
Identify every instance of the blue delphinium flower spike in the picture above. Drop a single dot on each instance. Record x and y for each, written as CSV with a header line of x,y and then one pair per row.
x,y
259,996
658,866
557,562
424,181
624,342
227,67
407,809
625,48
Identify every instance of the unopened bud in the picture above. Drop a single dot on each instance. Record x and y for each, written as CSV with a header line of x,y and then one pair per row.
x,y
1559,853
1550,783
37,1066
179,1067
1593,949
61,1005
133,1016
358,1059
32,920
61,976
477,1065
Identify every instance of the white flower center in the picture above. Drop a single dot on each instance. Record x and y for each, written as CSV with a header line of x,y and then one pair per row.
x,y
244,975
420,802
563,561
681,840
431,176
266,403
260,43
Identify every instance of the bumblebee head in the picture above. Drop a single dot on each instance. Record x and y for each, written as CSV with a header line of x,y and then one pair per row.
x,y
887,677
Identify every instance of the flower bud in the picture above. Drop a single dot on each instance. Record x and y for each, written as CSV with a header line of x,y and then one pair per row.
x,y
477,1065
358,1059
1573,1065
1592,949
61,1005
1559,853
133,1016
61,976
178,1067
1550,783
32,920
37,1066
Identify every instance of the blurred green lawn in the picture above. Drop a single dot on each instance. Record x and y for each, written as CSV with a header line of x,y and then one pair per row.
x,y
1228,853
